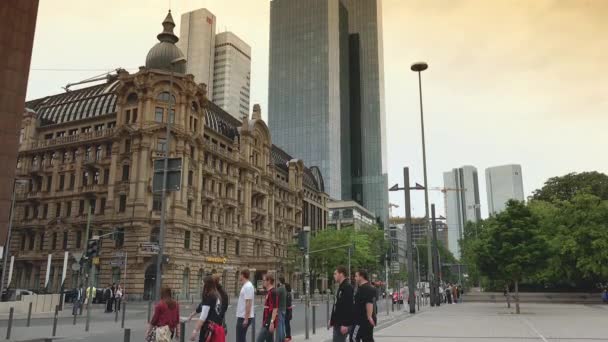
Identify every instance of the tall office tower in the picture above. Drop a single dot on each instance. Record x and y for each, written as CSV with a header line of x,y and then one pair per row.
x,y
462,185
503,183
197,42
368,121
232,74
308,86
326,94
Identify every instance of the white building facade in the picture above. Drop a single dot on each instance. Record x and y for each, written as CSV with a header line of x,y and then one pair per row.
x,y
232,74
197,42
463,205
503,183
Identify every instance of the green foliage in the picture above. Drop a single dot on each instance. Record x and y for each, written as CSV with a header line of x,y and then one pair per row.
x,y
510,246
564,188
560,240
369,251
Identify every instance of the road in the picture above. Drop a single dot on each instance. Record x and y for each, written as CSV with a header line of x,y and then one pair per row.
x,y
103,328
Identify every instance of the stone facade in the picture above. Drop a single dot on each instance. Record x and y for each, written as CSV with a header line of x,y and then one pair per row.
x,y
240,202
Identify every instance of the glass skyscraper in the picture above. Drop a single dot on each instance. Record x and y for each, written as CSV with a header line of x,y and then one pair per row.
x,y
326,94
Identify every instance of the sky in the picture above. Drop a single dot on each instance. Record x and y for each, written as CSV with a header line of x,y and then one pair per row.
x,y
509,81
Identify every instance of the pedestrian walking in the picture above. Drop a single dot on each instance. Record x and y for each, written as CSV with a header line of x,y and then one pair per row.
x,y
164,325
118,297
269,319
282,313
289,314
78,299
209,326
224,299
448,293
244,309
364,318
342,311
108,295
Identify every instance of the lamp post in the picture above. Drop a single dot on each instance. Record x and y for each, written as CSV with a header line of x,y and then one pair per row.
x,y
163,213
419,67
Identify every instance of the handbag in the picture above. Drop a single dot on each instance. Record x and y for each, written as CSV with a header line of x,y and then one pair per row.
x,y
163,334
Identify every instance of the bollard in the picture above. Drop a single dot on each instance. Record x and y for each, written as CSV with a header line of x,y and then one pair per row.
x,y
182,336
124,308
115,316
149,310
327,317
29,315
55,320
253,328
127,337
74,321
10,323
393,305
314,319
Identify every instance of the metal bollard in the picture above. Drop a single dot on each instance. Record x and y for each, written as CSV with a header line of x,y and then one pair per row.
x,y
253,328
29,315
393,305
115,316
314,319
10,323
55,320
327,311
127,337
124,308
182,336
149,310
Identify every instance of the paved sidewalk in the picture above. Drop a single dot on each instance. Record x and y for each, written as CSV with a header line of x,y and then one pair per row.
x,y
496,323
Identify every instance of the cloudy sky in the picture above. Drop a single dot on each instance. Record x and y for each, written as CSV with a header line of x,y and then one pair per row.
x,y
509,81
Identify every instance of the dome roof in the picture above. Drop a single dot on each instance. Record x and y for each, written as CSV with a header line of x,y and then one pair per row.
x,y
163,53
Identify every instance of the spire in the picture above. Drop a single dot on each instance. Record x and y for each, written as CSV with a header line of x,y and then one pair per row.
x,y
257,112
167,35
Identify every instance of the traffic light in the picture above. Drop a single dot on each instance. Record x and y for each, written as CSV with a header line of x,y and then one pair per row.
x,y
92,248
302,240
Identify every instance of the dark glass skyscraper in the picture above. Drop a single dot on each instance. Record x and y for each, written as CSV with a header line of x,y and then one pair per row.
x,y
326,94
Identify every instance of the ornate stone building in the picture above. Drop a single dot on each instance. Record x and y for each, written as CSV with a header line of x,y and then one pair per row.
x,y
240,202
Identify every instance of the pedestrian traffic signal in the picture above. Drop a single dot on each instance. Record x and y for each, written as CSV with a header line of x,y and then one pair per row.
x,y
92,248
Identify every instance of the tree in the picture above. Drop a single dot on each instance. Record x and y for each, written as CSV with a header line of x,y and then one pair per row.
x,y
566,187
577,235
369,247
510,247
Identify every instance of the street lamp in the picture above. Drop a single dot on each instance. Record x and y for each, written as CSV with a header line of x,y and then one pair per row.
x,y
163,213
419,67
7,245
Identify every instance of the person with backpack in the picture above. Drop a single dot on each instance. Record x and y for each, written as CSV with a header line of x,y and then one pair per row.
x,y
209,326
164,325
224,299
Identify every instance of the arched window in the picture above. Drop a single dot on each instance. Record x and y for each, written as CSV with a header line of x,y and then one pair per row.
x,y
132,98
165,96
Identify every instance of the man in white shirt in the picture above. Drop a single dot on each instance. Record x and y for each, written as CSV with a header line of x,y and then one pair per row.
x,y
244,309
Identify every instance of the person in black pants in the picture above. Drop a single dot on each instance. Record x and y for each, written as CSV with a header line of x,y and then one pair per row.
x,y
342,311
364,319
289,314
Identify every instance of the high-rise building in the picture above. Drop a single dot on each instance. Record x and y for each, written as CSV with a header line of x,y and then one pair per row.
x,y
463,205
503,183
326,94
197,42
232,74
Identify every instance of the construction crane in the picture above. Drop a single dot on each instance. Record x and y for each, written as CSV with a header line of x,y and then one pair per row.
x,y
390,208
103,77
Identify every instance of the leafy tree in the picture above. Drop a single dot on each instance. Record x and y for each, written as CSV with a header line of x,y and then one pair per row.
x,y
577,234
566,187
510,247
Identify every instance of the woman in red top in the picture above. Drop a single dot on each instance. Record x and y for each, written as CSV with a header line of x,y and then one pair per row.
x,y
166,313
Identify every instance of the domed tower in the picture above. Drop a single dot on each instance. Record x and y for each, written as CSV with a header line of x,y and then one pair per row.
x,y
163,53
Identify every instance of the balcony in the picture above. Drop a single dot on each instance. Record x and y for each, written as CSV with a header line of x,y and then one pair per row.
x,y
208,169
258,211
231,202
208,195
92,189
72,139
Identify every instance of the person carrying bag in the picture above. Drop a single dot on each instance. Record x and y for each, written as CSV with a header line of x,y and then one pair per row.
x,y
164,325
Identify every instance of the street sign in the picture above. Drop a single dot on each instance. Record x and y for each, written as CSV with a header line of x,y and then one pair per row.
x,y
117,262
75,267
119,254
174,174
77,256
395,268
149,248
96,261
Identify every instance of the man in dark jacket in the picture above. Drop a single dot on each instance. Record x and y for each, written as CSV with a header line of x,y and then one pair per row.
x,y
341,314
